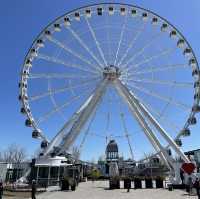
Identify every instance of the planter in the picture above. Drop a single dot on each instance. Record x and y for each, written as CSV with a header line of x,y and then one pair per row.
x,y
159,183
149,183
114,184
138,183
127,184
170,187
64,185
73,187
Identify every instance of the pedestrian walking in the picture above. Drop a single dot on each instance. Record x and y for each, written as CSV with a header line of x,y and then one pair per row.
x,y
1,189
33,192
128,184
197,187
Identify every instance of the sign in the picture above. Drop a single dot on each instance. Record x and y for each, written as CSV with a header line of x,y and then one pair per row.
x,y
188,167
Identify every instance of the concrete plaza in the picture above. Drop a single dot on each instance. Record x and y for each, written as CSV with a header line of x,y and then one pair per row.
x,y
99,190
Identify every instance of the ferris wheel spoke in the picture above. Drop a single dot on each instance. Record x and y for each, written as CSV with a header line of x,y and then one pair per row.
x,y
141,50
161,82
160,116
138,33
92,31
58,76
158,69
127,135
160,54
59,108
63,89
62,62
53,99
85,46
120,40
108,40
163,98
69,50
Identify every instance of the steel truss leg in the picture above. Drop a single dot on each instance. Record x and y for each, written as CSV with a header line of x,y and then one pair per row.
x,y
79,119
124,92
159,128
60,135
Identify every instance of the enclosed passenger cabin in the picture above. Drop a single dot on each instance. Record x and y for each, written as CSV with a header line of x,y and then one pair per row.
x,y
173,34
40,43
99,11
67,21
111,10
164,27
154,21
28,123
192,120
44,144
186,132
88,13
57,27
187,52
134,12
35,134
77,16
179,142
180,43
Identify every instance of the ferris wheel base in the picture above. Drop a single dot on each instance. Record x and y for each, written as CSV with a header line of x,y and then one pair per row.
x,y
52,161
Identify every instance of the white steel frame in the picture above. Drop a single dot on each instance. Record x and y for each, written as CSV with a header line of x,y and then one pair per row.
x,y
65,138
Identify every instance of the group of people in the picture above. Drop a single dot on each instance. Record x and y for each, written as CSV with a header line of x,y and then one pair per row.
x,y
33,192
195,184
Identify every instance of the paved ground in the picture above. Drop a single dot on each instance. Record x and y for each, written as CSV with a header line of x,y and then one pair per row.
x,y
98,190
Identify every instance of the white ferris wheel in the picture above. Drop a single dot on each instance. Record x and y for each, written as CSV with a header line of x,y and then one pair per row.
x,y
107,71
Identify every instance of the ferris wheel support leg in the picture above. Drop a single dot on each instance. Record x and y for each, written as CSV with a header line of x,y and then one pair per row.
x,y
55,141
124,92
159,128
61,136
86,111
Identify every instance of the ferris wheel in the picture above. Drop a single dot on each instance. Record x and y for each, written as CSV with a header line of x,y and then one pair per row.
x,y
111,66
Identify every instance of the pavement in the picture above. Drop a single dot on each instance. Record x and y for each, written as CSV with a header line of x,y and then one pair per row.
x,y
99,190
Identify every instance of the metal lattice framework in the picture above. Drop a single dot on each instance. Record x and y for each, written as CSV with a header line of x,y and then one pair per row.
x,y
77,58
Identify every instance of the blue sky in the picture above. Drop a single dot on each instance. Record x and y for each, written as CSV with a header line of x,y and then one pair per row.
x,y
22,20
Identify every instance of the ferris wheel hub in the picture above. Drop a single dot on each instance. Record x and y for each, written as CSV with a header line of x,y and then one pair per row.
x,y
111,72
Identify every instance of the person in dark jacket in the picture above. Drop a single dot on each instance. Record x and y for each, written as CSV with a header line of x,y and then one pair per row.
x,y
1,190
190,185
33,192
197,187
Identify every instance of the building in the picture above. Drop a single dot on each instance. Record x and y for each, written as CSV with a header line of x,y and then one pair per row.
x,y
11,172
112,152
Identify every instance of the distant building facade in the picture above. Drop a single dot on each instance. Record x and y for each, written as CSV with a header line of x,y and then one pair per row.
x,y
10,172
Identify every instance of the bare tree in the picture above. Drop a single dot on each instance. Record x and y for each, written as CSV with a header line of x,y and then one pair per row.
x,y
36,153
1,157
14,154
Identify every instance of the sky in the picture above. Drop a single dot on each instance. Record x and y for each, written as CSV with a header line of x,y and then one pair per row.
x,y
21,21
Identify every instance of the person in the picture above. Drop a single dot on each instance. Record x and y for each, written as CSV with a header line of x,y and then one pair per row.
x,y
128,184
190,185
197,187
33,192
1,189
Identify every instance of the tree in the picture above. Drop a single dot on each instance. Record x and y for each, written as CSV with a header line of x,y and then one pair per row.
x,y
1,157
101,159
14,154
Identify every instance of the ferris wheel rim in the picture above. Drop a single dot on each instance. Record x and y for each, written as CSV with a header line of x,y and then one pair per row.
x,y
99,4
